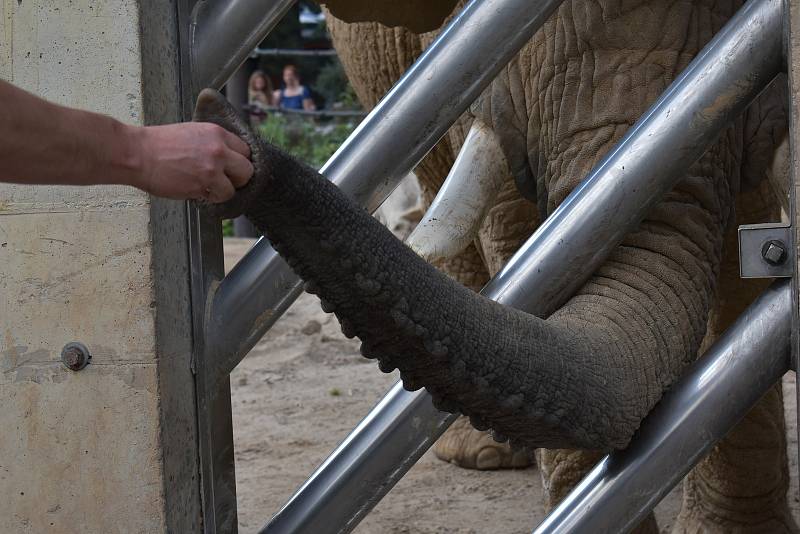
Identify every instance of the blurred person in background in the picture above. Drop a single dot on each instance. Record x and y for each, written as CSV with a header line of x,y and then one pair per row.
x,y
294,95
260,96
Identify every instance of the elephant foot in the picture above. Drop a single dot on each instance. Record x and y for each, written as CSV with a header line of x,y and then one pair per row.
x,y
466,447
702,522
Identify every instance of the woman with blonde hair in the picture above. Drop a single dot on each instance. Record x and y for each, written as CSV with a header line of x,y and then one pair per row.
x,y
259,96
259,89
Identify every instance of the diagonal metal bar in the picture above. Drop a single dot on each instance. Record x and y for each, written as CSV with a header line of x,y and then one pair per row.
x,y
706,403
393,138
292,52
657,151
224,33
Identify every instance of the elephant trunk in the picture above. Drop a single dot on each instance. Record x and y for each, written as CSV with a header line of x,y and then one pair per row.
x,y
538,382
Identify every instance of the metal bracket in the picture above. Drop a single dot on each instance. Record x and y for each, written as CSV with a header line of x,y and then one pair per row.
x,y
766,251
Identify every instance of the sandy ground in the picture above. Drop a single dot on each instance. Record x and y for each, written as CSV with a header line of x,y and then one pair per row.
x,y
304,387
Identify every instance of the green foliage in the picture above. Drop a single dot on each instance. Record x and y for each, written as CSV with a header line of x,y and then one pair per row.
x,y
348,98
227,228
333,86
305,139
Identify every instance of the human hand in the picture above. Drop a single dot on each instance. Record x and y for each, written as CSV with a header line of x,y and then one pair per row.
x,y
192,160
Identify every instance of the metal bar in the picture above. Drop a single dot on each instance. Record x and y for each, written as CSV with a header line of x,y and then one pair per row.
x,y
417,426
255,109
216,36
727,74
223,34
741,60
792,33
291,52
236,87
214,420
707,402
393,138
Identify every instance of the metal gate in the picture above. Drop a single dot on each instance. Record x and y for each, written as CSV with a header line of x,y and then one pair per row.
x,y
232,312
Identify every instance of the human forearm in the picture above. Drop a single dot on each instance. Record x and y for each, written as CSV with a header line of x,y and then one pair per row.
x,y
44,143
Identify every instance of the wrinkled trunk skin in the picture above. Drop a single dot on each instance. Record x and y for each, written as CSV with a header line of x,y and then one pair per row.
x,y
581,379
374,57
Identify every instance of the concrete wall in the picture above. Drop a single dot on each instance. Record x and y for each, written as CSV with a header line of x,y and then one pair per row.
x,y
110,448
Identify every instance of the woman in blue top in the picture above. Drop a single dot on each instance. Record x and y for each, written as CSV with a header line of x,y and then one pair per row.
x,y
294,95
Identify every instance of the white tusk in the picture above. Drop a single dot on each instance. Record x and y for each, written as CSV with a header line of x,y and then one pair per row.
x,y
454,218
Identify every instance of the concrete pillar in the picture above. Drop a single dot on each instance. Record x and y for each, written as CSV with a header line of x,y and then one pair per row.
x,y
111,448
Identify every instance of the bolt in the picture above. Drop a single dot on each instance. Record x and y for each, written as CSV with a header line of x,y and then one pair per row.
x,y
75,356
774,252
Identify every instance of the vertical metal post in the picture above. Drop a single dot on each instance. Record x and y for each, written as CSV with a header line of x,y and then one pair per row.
x,y
215,424
792,37
214,418
236,91
715,88
706,403
215,38
236,87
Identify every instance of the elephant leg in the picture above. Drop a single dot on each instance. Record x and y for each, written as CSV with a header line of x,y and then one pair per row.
x,y
741,486
562,469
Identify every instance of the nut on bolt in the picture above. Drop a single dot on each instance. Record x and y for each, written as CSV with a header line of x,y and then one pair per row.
x,y
774,252
75,356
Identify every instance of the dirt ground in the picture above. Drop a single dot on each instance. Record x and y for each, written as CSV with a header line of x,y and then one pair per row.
x,y
304,387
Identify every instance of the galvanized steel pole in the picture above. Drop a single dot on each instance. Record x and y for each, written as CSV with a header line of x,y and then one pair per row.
x,y
353,479
215,38
716,87
390,141
225,32
708,401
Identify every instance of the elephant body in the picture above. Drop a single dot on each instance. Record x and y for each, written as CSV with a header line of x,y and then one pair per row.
x,y
579,381
558,107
